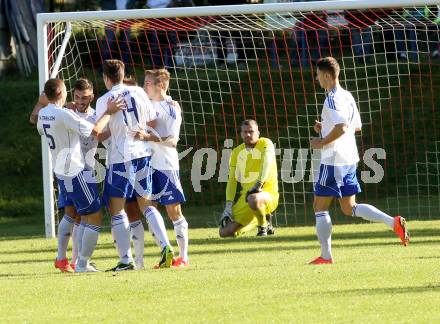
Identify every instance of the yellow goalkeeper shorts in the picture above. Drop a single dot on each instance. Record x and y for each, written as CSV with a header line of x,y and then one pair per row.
x,y
247,217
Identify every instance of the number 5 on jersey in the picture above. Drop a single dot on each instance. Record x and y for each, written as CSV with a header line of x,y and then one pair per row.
x,y
50,138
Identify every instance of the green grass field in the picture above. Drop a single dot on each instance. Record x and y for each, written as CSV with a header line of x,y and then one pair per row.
x,y
250,279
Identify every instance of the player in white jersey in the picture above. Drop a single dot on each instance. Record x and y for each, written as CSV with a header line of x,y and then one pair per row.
x,y
69,224
62,129
167,189
340,120
128,163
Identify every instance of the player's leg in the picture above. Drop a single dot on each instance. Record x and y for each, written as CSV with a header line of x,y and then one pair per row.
x,y
137,231
230,229
372,214
368,212
167,190
75,240
321,206
121,233
84,193
157,227
180,224
156,240
327,187
261,203
257,202
243,219
152,215
65,228
92,227
117,188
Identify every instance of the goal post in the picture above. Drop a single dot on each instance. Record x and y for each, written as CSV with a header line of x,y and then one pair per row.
x,y
256,61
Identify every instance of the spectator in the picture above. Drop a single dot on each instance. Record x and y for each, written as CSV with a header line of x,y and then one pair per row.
x,y
231,35
113,43
310,28
163,41
361,31
406,37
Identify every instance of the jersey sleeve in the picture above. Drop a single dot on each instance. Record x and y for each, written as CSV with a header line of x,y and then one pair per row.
x,y
337,110
77,124
231,187
150,112
357,123
268,158
101,107
40,128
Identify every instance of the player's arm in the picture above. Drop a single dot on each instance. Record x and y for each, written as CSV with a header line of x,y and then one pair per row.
x,y
267,160
231,189
42,102
102,136
113,106
337,131
357,120
339,120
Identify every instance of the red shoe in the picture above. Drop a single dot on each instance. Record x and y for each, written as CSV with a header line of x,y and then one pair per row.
x,y
180,263
320,260
73,265
401,230
63,265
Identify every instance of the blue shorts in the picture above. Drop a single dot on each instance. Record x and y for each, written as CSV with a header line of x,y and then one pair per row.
x,y
337,181
63,200
80,191
167,189
125,180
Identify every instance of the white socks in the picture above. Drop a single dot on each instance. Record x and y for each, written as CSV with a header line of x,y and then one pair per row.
x,y
121,236
324,233
88,244
137,236
157,226
64,230
75,251
372,214
181,230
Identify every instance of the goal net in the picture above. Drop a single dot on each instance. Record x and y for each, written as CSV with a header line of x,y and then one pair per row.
x,y
257,61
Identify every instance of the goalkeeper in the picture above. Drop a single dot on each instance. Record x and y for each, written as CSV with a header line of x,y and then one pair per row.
x,y
253,175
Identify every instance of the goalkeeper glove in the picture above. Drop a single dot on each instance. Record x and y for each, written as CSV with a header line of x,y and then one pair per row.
x,y
227,214
254,189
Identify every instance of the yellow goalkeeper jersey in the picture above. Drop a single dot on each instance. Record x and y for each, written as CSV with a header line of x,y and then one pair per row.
x,y
245,168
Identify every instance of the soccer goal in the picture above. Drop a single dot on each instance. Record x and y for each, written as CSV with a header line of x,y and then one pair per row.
x,y
230,63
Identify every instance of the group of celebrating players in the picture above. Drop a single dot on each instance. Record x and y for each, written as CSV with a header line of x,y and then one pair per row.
x,y
140,129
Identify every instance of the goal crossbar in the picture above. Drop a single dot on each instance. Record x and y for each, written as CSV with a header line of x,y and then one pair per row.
x,y
229,10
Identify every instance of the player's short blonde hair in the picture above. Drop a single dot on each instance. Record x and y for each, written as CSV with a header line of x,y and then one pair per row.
x,y
129,80
330,65
158,75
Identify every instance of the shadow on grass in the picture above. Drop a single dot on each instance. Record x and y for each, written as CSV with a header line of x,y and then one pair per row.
x,y
383,291
416,236
264,247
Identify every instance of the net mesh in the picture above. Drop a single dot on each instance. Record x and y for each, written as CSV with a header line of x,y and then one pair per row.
x,y
229,68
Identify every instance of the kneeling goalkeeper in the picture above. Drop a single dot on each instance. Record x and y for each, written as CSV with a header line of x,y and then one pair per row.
x,y
253,167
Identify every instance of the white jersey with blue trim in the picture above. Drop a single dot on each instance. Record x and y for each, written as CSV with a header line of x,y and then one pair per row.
x,y
63,128
123,147
340,108
168,122
89,144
